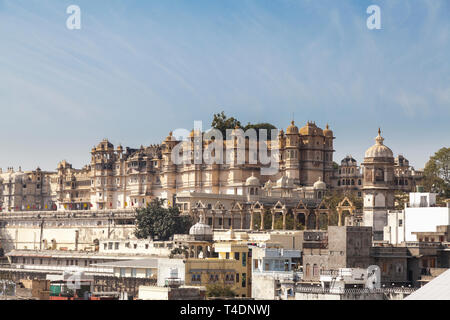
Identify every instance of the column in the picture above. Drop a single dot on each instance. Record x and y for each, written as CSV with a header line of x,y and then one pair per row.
x,y
273,220
223,220
284,220
295,218
251,219
213,220
340,218
232,220
242,219
261,227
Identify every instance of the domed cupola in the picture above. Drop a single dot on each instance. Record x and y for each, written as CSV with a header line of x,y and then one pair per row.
x,y
379,150
201,231
252,181
320,185
292,129
327,132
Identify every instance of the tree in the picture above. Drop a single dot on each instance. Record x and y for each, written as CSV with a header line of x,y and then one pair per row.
x,y
437,173
332,199
219,290
221,122
335,165
157,221
400,199
257,126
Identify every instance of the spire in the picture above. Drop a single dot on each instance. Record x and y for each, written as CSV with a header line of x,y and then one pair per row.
x,y
379,139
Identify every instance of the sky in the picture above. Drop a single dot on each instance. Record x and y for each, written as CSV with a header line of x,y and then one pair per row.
x,y
137,70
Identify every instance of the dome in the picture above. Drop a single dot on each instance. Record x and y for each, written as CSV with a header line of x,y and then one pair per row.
x,y
319,184
348,160
170,137
252,181
379,150
292,129
327,132
201,229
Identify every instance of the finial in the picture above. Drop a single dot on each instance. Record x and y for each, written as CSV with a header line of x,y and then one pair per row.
x,y
379,131
293,122
328,127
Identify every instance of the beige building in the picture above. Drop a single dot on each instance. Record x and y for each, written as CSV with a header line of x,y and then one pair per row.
x,y
119,178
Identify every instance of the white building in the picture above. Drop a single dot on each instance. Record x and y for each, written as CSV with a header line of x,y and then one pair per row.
x,y
420,215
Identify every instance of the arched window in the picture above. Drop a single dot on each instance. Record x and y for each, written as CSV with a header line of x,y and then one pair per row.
x,y
359,182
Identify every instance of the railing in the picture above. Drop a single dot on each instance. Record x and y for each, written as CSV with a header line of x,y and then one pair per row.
x,y
282,275
116,213
422,244
329,272
320,290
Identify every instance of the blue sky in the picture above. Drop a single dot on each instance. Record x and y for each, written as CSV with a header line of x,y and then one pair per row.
x,y
139,69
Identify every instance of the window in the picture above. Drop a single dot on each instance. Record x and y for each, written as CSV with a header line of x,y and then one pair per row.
x,y
400,222
236,256
244,280
110,245
133,272
122,272
237,277
116,246
244,259
315,270
148,273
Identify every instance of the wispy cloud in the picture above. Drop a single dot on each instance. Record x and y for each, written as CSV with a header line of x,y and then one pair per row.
x,y
137,70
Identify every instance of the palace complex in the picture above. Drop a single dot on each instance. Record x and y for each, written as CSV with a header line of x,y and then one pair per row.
x,y
230,195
